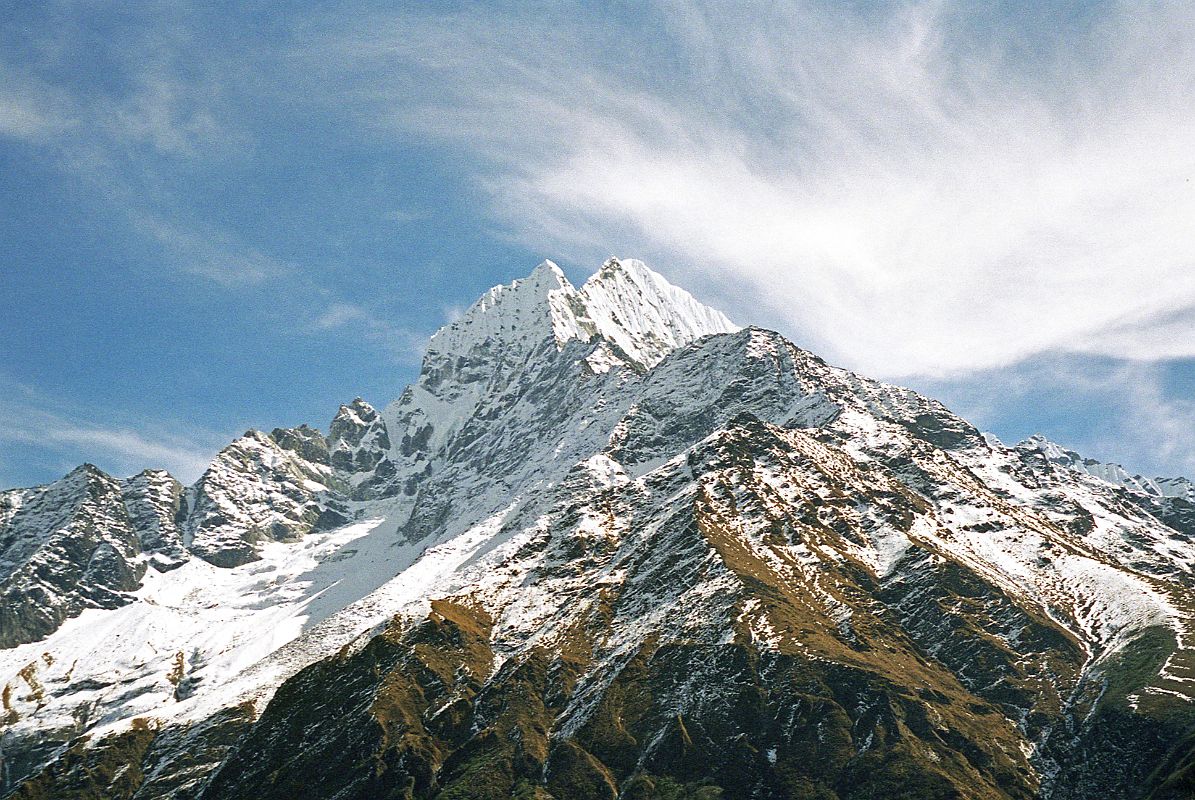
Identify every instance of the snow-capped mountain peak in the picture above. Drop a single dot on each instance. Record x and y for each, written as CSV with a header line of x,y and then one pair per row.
x,y
624,302
646,316
509,319
629,317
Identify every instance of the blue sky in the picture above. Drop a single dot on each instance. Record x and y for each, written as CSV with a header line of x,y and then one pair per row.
x,y
222,218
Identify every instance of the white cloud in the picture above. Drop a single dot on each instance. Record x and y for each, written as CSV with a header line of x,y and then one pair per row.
x,y
908,191
1161,427
128,142
22,119
29,109
183,459
207,252
403,344
338,315
31,419
1152,429
177,118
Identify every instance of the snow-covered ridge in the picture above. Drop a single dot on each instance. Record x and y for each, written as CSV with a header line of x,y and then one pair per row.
x,y
1112,473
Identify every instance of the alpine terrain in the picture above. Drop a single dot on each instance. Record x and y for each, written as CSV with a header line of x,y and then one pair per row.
x,y
609,545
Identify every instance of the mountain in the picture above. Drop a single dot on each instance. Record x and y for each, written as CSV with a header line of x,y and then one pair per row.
x,y
609,544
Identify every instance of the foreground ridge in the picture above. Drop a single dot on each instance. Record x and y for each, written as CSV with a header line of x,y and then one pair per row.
x,y
609,544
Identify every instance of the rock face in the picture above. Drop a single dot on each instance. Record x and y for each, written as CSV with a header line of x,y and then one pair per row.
x,y
262,488
611,545
153,501
65,547
357,438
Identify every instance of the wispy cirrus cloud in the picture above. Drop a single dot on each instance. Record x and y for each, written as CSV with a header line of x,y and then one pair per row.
x,y
908,188
403,344
30,110
72,435
182,457
174,117
210,253
128,141
171,107
1161,425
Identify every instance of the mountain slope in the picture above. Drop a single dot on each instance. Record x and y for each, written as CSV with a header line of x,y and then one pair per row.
x,y
609,544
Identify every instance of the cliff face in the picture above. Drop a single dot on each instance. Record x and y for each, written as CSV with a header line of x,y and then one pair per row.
x,y
611,545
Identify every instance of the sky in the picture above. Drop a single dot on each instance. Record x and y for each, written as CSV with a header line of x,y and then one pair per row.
x,y
220,218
